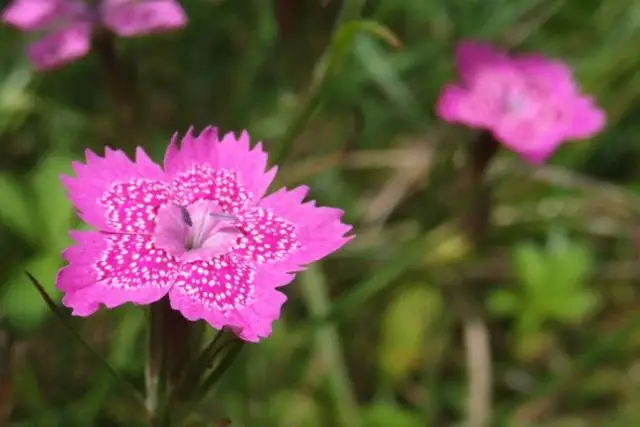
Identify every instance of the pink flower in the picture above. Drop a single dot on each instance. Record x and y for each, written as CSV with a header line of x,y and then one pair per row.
x,y
67,24
531,104
201,231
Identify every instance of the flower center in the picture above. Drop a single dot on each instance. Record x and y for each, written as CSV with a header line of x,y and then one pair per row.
x,y
531,104
196,232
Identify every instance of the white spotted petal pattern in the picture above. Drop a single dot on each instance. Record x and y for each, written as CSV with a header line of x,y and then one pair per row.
x,y
200,231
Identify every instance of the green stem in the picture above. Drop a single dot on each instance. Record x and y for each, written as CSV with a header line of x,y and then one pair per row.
x,y
122,87
351,10
475,223
156,365
195,370
221,368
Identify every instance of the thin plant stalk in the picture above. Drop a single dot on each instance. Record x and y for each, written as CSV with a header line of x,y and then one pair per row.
x,y
121,86
475,222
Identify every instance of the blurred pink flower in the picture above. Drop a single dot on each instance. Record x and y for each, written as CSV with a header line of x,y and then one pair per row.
x,y
530,103
67,24
201,231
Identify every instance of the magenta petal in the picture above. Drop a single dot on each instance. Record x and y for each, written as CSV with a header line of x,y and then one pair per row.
x,y
258,317
228,292
587,119
235,153
192,150
29,15
473,56
553,77
112,193
319,230
230,153
458,105
528,139
60,47
214,289
267,237
110,270
130,18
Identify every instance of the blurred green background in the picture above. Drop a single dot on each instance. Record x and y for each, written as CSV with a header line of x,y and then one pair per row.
x,y
554,288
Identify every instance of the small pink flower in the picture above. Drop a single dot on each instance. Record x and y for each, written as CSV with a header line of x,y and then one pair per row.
x,y
199,230
531,104
67,24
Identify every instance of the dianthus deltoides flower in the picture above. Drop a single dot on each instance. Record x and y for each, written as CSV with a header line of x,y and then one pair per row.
x,y
200,230
66,25
530,103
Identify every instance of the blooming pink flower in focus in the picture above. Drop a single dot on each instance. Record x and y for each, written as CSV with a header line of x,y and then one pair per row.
x,y
530,103
201,231
66,25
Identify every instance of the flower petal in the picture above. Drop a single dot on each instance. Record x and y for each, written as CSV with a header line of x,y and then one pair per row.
x,y
458,105
129,18
30,15
203,182
113,269
526,137
60,47
587,118
113,193
552,77
474,56
229,153
266,238
230,292
319,230
258,317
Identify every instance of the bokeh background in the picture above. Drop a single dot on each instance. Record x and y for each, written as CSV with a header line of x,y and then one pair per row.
x,y
380,334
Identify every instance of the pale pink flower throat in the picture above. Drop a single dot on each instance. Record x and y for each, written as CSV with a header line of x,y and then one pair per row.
x,y
200,231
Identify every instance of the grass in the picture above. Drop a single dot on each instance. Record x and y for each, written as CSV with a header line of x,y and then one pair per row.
x,y
342,94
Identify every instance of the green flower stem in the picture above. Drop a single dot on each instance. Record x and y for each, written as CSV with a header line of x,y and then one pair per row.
x,y
351,10
121,85
475,221
156,369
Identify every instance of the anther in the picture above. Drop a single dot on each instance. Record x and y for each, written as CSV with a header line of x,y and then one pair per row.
x,y
223,217
185,216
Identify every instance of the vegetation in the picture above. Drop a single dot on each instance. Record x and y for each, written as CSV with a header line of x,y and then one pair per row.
x,y
390,331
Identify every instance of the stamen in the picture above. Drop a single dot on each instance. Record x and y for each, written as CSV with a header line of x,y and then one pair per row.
x,y
186,217
223,217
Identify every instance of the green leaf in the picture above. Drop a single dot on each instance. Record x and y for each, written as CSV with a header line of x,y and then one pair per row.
x,y
410,316
388,414
503,302
578,306
15,101
530,266
570,266
381,71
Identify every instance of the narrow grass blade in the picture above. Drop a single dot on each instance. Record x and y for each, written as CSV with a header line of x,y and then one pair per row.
x,y
63,318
